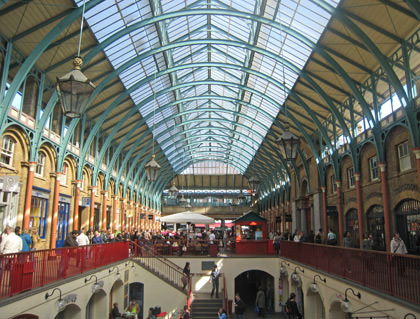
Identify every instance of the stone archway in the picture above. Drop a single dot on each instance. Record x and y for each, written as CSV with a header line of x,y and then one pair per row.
x,y
246,284
72,311
315,304
97,306
335,311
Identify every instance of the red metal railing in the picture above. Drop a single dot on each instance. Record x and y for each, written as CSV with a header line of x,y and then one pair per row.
x,y
394,274
24,271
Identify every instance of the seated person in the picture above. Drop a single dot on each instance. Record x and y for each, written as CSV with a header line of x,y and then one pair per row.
x,y
133,308
115,313
151,315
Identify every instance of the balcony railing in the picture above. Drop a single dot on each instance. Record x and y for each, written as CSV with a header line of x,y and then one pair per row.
x,y
394,274
24,271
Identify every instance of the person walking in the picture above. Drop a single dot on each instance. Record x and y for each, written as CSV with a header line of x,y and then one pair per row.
x,y
239,307
260,301
214,277
222,313
397,245
292,308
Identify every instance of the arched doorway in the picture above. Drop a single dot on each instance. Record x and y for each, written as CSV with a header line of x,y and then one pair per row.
x,y
408,223
72,311
315,304
117,295
97,307
352,225
136,291
335,310
246,284
283,290
376,226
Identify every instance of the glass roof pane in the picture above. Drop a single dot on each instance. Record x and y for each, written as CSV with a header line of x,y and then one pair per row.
x,y
303,16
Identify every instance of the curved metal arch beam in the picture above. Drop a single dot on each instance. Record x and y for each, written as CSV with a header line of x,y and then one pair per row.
x,y
268,156
134,109
122,96
300,37
292,67
377,54
189,162
129,173
275,121
170,138
128,115
33,57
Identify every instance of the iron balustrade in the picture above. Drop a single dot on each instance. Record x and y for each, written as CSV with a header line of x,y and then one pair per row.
x,y
394,274
147,256
24,271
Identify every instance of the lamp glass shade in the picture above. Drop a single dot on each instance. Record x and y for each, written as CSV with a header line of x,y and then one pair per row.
x,y
152,169
74,90
182,200
295,277
314,288
283,270
173,191
288,144
254,184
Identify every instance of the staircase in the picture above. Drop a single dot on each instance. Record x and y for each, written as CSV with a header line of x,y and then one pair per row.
x,y
204,307
159,266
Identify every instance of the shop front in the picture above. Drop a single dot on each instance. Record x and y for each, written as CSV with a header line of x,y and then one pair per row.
x,y
251,235
408,224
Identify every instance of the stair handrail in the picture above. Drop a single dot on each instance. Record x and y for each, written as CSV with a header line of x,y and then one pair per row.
x,y
158,265
152,251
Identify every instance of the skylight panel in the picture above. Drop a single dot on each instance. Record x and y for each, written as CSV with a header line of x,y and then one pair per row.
x,y
171,6
244,6
304,16
177,27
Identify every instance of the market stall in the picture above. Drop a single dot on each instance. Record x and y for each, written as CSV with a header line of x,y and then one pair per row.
x,y
251,234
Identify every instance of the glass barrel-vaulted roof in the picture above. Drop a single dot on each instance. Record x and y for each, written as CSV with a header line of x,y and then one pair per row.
x,y
215,72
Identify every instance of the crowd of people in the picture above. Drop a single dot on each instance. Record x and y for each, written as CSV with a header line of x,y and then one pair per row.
x,y
368,243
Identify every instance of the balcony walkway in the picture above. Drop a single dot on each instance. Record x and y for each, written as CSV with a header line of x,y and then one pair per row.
x,y
393,274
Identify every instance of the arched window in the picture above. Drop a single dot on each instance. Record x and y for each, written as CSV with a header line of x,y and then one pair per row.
x,y
7,150
408,223
352,225
40,164
376,226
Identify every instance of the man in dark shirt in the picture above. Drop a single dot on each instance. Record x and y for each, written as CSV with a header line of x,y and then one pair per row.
x,y
215,274
71,239
239,307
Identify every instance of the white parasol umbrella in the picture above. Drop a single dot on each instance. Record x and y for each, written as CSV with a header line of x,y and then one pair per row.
x,y
187,217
